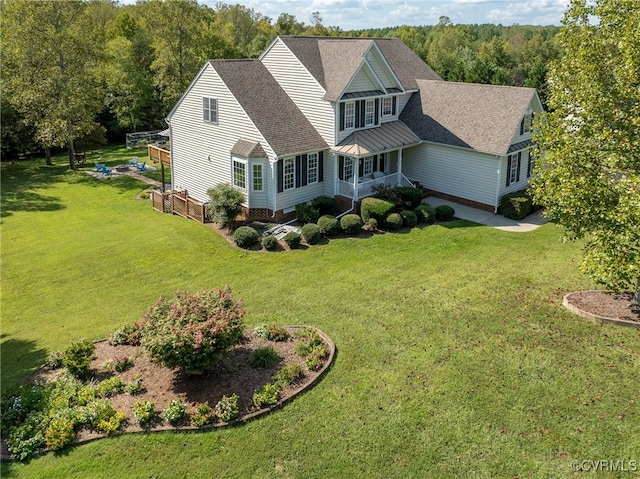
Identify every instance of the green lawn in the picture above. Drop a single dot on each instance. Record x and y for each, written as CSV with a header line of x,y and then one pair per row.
x,y
455,357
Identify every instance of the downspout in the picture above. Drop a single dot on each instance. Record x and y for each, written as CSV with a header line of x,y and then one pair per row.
x,y
274,185
399,180
495,207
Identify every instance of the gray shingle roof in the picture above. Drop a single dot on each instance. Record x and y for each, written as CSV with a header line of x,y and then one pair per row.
x,y
248,149
468,115
279,120
334,61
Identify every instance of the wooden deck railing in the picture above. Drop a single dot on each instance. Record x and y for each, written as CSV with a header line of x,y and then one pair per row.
x,y
159,155
178,203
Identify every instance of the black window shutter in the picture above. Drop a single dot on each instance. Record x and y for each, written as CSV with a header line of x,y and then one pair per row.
x,y
377,110
529,165
341,116
357,114
341,167
393,106
522,126
518,170
382,157
321,166
280,174
298,171
508,170
375,162
360,167
363,109
303,173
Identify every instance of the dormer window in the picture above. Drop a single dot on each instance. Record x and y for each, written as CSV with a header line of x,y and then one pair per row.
x,y
525,125
387,106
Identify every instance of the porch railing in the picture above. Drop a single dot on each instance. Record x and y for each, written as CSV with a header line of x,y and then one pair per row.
x,y
366,187
159,155
179,203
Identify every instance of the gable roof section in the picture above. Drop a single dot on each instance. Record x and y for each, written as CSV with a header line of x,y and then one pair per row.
x,y
266,104
467,115
334,61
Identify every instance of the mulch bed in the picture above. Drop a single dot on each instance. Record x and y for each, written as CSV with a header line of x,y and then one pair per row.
x,y
606,305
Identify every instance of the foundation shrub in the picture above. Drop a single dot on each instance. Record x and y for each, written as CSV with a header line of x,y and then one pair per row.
x,y
324,204
311,233
445,213
409,218
516,205
351,224
269,243
411,197
328,225
245,237
292,239
393,221
377,208
306,213
425,213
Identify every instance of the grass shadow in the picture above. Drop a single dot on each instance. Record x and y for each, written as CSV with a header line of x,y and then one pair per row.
x,y
19,359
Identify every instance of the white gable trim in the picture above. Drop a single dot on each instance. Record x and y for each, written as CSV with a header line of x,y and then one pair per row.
x,y
386,65
368,70
186,92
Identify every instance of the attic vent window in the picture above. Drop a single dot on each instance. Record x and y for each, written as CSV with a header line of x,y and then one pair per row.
x,y
210,110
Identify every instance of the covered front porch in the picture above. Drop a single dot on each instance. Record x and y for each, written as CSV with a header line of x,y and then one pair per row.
x,y
368,159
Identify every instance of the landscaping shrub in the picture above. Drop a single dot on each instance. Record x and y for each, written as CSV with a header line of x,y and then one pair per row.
x,y
144,411
516,205
411,197
425,213
203,414
409,218
190,331
134,387
78,357
272,332
176,412
54,360
315,359
225,204
388,193
311,233
288,375
245,236
129,334
351,224
445,213
111,424
393,221
306,213
372,224
324,204
110,387
269,243
292,239
59,434
328,225
265,358
377,208
227,408
266,395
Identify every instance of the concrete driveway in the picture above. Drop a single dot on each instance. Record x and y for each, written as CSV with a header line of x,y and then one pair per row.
x,y
529,223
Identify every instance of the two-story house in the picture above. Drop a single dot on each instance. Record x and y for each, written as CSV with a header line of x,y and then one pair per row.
x,y
337,116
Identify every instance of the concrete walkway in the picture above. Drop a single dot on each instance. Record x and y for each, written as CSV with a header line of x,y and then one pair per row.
x,y
530,223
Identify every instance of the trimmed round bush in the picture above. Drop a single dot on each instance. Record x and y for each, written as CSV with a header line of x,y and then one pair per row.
x,y
445,213
328,225
311,233
377,208
245,236
425,213
191,330
393,221
516,205
292,239
351,224
409,218
269,243
411,197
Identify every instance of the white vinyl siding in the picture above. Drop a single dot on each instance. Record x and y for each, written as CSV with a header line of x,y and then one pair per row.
x,y
362,82
302,88
454,171
521,174
381,69
200,151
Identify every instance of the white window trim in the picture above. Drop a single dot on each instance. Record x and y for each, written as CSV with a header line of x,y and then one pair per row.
x,y
261,165
352,105
284,173
207,110
390,111
369,112
233,173
527,122
312,156
348,166
513,172
367,166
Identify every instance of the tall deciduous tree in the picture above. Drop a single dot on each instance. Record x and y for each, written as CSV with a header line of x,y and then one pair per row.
x,y
588,175
50,55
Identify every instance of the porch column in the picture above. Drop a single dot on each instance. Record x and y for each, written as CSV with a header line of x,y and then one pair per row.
x,y
356,177
399,180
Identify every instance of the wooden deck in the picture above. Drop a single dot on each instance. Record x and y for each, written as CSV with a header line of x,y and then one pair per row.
x,y
159,155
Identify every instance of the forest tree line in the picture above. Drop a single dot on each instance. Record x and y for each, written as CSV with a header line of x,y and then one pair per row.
x,y
76,73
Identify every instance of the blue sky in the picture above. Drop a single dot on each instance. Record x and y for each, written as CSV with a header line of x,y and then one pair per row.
x,y
360,14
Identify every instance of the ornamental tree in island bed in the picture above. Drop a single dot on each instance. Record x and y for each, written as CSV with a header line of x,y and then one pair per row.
x,y
588,175
190,331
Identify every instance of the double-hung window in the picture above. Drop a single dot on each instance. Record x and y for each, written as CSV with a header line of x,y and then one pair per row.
x,y
367,167
513,168
348,169
387,106
210,109
239,174
256,176
349,115
312,168
369,113
289,176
